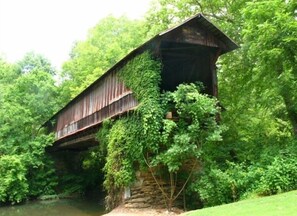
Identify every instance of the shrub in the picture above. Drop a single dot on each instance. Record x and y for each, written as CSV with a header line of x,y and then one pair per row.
x,y
42,179
280,176
217,186
239,181
13,184
214,187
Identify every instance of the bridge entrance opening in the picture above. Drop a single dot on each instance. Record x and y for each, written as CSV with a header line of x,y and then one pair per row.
x,y
186,63
80,174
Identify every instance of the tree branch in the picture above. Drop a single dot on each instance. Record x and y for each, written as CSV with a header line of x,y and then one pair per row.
x,y
150,168
183,187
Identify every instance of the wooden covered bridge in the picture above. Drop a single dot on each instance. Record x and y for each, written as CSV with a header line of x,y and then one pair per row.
x,y
188,53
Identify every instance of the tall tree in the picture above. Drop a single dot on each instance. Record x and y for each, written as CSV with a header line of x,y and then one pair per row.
x,y
270,44
33,61
248,93
26,104
109,41
166,13
27,100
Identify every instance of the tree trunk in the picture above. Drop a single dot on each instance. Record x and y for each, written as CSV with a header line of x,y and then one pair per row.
x,y
292,113
170,204
290,104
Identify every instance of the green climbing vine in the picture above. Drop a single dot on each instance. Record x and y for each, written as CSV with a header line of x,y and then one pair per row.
x,y
143,76
126,138
146,139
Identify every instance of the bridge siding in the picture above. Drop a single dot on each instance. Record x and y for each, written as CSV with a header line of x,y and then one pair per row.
x,y
108,98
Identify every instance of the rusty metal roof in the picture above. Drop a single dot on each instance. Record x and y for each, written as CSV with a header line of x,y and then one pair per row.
x,y
198,19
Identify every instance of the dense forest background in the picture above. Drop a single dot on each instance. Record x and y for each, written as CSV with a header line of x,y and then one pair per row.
x,y
257,88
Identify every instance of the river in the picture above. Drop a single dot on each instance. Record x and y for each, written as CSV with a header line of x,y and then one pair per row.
x,y
60,207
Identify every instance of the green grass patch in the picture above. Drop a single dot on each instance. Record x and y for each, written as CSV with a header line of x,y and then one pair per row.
x,y
281,204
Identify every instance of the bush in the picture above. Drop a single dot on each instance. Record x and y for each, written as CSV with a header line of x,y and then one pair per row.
x,y
13,184
214,187
218,186
239,181
42,179
280,176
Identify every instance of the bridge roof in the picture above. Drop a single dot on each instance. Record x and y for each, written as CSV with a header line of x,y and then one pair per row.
x,y
198,20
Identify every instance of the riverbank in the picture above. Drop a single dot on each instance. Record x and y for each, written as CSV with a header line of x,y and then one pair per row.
x,y
56,207
122,211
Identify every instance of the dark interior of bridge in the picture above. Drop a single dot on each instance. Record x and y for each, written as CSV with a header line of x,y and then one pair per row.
x,y
186,63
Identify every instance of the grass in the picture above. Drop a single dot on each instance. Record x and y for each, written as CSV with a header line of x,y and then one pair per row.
x,y
277,205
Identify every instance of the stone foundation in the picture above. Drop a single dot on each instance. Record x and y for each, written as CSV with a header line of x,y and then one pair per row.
x,y
145,193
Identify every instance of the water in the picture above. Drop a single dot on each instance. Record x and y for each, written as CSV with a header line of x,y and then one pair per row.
x,y
62,207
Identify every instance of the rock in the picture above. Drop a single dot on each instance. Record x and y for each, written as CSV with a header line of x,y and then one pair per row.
x,y
139,200
137,205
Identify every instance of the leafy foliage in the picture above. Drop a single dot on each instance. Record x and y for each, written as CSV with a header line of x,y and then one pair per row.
x,y
257,86
240,181
126,138
123,151
146,139
196,126
280,176
275,31
14,187
25,104
146,74
166,13
35,62
107,42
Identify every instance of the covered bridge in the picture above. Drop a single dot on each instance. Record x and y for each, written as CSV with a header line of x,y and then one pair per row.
x,y
188,53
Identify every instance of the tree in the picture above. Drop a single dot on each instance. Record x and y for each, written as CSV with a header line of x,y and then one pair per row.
x,y
249,94
166,13
8,73
109,41
257,84
270,36
183,140
33,61
27,101
27,104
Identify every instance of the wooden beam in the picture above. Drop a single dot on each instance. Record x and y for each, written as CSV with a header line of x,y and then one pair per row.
x,y
74,142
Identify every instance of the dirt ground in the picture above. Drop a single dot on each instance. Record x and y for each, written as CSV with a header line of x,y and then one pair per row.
x,y
122,211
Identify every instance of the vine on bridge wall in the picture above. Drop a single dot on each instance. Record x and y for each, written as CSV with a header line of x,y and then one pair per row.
x,y
145,140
